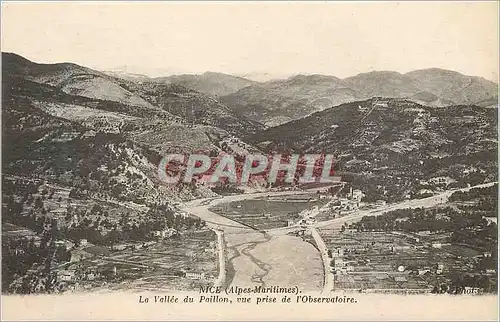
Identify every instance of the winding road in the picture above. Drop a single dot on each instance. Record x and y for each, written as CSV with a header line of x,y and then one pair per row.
x,y
256,258
249,257
413,203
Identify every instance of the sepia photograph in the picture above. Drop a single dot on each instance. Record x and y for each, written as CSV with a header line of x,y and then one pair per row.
x,y
249,160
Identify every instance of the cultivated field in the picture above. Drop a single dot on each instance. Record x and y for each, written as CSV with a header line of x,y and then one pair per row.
x,y
395,261
161,266
268,212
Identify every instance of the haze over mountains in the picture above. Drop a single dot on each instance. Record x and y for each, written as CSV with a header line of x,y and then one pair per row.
x,y
210,83
106,135
99,138
50,110
278,101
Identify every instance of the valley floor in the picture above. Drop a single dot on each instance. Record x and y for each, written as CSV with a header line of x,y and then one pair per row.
x,y
276,257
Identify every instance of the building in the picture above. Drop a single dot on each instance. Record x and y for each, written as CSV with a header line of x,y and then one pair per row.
x,y
338,252
90,276
120,246
195,276
403,247
490,219
66,275
165,233
362,108
437,245
423,271
210,250
78,255
357,195
400,278
381,104
65,243
310,221
338,262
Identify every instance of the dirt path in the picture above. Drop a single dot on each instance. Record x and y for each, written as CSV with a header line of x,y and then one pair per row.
x,y
413,203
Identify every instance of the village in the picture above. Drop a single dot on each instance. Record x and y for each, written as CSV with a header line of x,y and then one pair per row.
x,y
395,262
88,248
182,263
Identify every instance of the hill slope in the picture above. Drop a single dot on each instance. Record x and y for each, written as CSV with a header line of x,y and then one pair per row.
x,y
280,101
153,118
391,144
152,100
453,86
209,83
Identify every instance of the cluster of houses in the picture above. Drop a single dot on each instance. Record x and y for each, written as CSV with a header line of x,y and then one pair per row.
x,y
352,202
195,275
339,265
85,274
165,233
74,271
350,270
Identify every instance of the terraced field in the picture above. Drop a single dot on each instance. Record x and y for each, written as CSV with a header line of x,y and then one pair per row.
x,y
267,212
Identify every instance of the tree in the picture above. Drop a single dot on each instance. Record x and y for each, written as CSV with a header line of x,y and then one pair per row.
x,y
38,203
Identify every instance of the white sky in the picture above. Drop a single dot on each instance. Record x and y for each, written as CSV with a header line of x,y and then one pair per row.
x,y
341,38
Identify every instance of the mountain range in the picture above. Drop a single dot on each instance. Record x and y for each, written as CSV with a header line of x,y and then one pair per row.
x,y
213,84
81,150
393,145
104,135
279,101
376,120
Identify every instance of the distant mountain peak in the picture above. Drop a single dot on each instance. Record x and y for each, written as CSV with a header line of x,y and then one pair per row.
x,y
387,74
209,73
210,83
436,73
313,78
7,56
381,72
